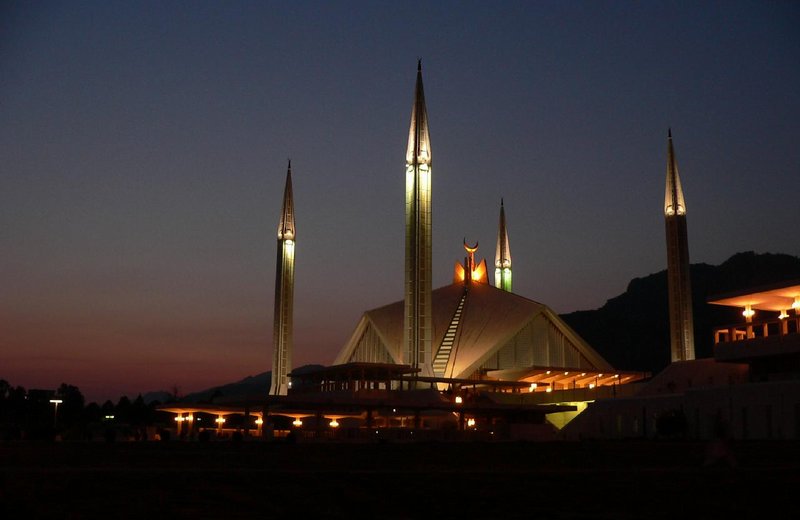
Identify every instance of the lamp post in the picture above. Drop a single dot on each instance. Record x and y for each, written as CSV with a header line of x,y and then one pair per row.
x,y
55,402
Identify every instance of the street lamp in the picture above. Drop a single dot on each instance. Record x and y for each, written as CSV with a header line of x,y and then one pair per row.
x,y
55,402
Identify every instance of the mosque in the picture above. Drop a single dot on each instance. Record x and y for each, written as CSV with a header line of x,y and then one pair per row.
x,y
473,359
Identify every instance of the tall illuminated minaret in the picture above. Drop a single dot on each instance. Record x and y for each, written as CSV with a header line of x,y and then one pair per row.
x,y
502,258
284,295
417,331
681,325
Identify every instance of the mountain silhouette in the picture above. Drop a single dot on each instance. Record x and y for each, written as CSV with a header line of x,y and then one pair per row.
x,y
632,330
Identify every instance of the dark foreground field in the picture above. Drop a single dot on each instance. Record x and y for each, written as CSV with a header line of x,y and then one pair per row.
x,y
618,480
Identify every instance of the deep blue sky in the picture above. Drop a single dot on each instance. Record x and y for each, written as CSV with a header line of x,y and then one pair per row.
x,y
144,149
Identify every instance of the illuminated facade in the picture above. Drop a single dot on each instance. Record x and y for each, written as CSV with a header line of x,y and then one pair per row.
x,y
679,285
284,294
483,333
502,258
417,323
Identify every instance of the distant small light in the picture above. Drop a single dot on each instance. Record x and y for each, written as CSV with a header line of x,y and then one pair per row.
x,y
533,387
471,422
459,400
549,389
297,422
334,423
190,417
548,372
566,373
591,386
109,417
259,421
783,315
220,420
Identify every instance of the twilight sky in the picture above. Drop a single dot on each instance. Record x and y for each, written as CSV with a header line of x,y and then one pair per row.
x,y
143,152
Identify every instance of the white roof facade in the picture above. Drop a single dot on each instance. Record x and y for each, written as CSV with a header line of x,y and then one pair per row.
x,y
495,330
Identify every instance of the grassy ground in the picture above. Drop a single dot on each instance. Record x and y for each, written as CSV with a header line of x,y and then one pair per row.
x,y
591,480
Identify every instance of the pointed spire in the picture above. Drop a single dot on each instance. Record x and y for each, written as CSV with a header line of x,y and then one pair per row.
x,y
502,258
674,203
681,320
418,324
419,146
282,329
286,228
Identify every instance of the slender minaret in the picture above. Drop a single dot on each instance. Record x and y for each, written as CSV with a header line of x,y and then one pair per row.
x,y
681,326
417,331
284,295
502,258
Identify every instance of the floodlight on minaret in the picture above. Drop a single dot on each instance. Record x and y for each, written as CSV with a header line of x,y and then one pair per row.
x,y
282,339
681,321
417,323
502,258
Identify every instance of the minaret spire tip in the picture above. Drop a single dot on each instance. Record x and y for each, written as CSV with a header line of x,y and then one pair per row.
x,y
419,64
669,132
502,258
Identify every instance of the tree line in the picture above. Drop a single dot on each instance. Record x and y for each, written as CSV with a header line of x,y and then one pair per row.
x,y
64,414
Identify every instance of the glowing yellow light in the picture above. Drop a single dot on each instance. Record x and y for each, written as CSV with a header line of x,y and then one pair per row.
x,y
616,375
748,312
334,423
796,304
259,421
459,400
583,374
566,373
599,375
549,389
179,419
783,315
471,422
533,387
220,421
548,372
297,422
591,386
190,417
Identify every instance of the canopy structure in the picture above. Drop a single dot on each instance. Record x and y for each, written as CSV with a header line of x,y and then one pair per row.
x,y
775,298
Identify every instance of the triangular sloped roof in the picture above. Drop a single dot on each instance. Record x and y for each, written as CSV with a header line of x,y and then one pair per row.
x,y
490,319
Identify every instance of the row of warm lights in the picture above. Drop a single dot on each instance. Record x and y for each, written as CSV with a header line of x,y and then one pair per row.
x,y
190,417
534,386
748,311
298,423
